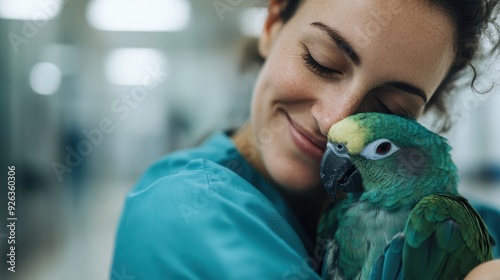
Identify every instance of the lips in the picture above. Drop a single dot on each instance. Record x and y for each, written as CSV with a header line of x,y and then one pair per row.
x,y
307,142
321,144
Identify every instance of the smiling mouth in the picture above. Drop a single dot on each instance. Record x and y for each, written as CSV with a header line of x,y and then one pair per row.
x,y
321,145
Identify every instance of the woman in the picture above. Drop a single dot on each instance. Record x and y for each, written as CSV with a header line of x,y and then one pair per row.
x,y
246,205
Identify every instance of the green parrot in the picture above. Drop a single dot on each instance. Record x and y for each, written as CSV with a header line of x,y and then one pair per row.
x,y
402,217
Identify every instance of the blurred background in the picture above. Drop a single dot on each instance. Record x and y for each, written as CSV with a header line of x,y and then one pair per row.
x,y
93,92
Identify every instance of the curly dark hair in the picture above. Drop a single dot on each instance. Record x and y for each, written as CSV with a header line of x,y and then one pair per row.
x,y
474,20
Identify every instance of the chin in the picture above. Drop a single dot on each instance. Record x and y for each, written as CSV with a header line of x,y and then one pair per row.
x,y
295,178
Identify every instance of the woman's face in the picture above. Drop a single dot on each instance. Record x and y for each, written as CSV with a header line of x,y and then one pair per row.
x,y
335,58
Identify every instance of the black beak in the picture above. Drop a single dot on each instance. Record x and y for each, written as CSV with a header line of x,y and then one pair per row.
x,y
338,172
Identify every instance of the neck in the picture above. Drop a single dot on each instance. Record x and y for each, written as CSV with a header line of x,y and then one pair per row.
x,y
247,146
307,206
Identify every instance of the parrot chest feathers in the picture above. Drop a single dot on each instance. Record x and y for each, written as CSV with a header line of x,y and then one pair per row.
x,y
361,237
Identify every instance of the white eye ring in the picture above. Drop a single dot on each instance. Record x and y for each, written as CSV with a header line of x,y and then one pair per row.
x,y
379,149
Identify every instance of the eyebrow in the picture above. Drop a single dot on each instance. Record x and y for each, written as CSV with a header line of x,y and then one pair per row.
x,y
348,50
340,41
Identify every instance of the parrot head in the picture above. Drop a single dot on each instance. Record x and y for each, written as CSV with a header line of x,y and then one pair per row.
x,y
383,156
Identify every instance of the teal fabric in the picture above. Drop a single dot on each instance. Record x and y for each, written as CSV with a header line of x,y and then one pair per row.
x,y
205,213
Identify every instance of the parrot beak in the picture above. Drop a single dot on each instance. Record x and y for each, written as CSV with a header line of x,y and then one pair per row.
x,y
337,170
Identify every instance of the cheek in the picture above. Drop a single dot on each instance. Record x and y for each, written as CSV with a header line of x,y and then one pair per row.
x,y
286,75
291,79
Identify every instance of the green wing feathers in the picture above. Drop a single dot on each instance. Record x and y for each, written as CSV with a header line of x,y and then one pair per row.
x,y
444,236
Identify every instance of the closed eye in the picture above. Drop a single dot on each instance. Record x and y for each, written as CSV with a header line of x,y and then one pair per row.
x,y
318,68
396,110
383,108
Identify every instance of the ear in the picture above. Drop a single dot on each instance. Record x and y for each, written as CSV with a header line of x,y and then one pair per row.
x,y
272,25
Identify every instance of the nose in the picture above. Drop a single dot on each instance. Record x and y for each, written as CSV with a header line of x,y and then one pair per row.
x,y
330,107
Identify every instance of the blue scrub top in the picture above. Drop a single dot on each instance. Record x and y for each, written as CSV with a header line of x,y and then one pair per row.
x,y
205,213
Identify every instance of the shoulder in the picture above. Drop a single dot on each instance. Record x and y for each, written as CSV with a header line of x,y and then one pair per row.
x,y
192,188
205,221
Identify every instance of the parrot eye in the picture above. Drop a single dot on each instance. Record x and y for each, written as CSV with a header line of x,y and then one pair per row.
x,y
383,148
339,147
379,149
